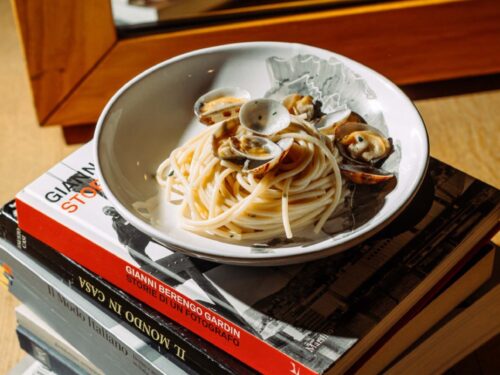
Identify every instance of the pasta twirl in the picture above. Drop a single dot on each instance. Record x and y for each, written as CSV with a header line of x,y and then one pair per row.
x,y
263,168
223,201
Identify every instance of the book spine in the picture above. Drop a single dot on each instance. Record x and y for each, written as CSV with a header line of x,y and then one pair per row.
x,y
38,328
165,335
158,295
112,348
43,353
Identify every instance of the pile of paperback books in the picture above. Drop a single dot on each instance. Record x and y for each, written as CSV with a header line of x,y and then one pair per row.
x,y
100,297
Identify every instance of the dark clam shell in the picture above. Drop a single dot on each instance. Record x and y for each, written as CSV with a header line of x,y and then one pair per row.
x,y
364,174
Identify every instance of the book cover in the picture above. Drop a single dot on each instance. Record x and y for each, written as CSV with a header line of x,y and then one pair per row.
x,y
472,271
455,339
311,318
163,334
110,345
477,271
463,330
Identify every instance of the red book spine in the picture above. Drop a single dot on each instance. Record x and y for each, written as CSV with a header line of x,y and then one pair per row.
x,y
199,319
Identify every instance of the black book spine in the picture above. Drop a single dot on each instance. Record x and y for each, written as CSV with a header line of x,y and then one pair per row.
x,y
166,336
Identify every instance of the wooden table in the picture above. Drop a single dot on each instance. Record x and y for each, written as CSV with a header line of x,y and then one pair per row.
x,y
463,132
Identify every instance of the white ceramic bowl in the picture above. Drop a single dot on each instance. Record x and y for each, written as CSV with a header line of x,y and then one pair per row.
x,y
153,113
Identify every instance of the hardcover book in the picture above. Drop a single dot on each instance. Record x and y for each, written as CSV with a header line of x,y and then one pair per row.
x,y
475,273
464,330
464,281
319,317
110,345
162,334
149,323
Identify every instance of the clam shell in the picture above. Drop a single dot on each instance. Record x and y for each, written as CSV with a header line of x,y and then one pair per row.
x,y
259,167
264,116
255,148
364,174
220,104
297,104
355,117
330,121
349,127
343,132
220,140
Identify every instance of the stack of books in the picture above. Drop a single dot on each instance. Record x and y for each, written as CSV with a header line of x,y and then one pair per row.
x,y
100,297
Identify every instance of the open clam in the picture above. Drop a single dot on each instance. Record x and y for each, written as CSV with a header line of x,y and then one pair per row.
x,y
220,104
254,147
329,122
221,140
297,104
364,174
264,116
362,142
260,154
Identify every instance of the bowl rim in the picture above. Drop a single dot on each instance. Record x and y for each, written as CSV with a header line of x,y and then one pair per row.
x,y
314,251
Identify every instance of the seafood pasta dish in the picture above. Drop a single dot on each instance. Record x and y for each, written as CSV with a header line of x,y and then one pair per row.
x,y
263,167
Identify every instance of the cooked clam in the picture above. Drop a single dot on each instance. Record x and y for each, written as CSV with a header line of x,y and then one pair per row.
x,y
264,116
328,123
362,142
220,104
355,117
255,148
297,104
260,154
364,174
221,140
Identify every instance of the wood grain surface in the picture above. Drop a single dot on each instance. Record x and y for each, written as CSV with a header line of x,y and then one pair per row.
x,y
463,132
63,41
27,151
408,41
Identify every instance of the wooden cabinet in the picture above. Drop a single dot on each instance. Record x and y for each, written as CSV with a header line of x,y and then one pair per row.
x,y
76,60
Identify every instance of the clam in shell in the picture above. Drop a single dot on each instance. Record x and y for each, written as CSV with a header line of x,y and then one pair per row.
x,y
220,104
362,142
254,147
297,104
221,146
264,116
261,154
327,124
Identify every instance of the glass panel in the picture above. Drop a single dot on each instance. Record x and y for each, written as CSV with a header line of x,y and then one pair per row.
x,y
134,17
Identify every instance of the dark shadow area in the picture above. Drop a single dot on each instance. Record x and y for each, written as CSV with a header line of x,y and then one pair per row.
x,y
458,86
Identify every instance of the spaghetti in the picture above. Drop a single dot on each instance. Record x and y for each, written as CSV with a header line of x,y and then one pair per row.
x,y
263,168
223,201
